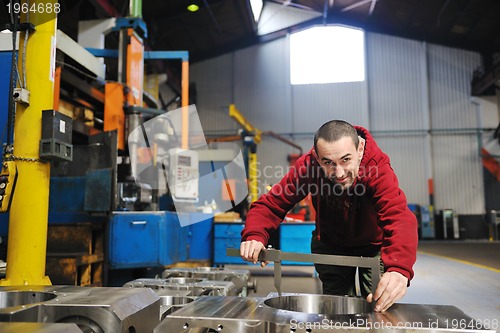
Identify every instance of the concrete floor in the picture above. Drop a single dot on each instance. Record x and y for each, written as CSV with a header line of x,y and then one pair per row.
x,y
442,276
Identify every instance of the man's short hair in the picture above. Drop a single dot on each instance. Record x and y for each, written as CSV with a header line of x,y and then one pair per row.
x,y
335,130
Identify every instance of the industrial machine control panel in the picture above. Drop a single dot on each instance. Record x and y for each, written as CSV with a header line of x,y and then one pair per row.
x,y
183,174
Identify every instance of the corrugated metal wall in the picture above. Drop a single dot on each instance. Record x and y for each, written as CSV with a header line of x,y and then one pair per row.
x,y
398,106
215,90
262,86
456,162
407,154
395,83
315,104
411,88
450,74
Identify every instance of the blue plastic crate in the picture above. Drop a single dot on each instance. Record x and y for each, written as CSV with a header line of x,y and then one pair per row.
x,y
227,235
296,237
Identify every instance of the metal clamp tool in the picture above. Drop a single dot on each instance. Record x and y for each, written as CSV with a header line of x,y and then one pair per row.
x,y
277,257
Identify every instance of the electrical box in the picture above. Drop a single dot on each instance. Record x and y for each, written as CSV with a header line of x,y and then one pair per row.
x,y
8,179
57,130
428,229
183,175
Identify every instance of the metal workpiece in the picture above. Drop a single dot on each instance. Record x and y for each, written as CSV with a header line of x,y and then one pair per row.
x,y
240,277
312,313
173,300
94,310
39,328
198,287
278,256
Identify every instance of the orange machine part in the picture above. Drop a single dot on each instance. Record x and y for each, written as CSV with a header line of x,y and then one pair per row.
x,y
57,88
135,69
114,117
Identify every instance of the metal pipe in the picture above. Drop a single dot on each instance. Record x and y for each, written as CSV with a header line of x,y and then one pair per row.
x,y
135,8
212,17
282,139
184,104
427,119
28,222
140,109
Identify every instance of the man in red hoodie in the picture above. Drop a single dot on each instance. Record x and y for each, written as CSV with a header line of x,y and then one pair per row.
x,y
360,211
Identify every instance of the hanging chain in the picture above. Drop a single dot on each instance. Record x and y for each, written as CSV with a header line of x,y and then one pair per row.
x,y
8,155
28,159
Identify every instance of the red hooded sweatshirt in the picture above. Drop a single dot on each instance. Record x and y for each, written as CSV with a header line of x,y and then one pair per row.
x,y
373,211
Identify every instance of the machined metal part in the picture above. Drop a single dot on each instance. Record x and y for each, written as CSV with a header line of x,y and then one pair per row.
x,y
198,287
311,313
277,257
132,196
39,328
94,310
240,277
173,300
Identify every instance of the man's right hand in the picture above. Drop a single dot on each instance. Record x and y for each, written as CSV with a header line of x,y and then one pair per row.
x,y
250,250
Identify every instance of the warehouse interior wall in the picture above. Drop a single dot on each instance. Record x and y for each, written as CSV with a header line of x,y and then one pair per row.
x,y
416,100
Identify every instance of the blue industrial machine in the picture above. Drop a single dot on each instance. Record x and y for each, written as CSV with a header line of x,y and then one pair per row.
x,y
5,61
102,223
130,229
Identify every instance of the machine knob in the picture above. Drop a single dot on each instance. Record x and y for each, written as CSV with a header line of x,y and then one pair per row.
x,y
252,285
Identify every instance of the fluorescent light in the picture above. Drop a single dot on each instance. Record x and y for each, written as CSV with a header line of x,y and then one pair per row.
x,y
193,7
256,6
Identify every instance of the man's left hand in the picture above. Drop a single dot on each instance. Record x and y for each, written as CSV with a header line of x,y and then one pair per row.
x,y
392,287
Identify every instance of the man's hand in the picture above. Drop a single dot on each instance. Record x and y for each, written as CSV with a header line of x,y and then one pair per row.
x,y
249,251
392,287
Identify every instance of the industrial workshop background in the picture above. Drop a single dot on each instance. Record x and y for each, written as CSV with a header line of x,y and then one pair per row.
x,y
136,134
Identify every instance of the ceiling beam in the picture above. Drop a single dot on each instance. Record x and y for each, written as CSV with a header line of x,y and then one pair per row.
x,y
212,17
462,12
108,7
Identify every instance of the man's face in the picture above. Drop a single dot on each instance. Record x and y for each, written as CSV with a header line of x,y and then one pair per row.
x,y
340,160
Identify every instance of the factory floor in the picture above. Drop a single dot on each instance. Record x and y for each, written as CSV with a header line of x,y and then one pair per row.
x,y
465,274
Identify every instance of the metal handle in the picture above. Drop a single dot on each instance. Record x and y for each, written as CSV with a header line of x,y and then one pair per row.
x,y
138,222
277,256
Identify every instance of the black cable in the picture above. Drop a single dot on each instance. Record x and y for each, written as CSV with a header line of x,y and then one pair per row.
x,y
13,76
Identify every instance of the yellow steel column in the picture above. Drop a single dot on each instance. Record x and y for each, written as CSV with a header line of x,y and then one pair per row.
x,y
253,179
27,242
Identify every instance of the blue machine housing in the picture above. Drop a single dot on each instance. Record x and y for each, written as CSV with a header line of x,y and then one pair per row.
x,y
5,62
146,239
